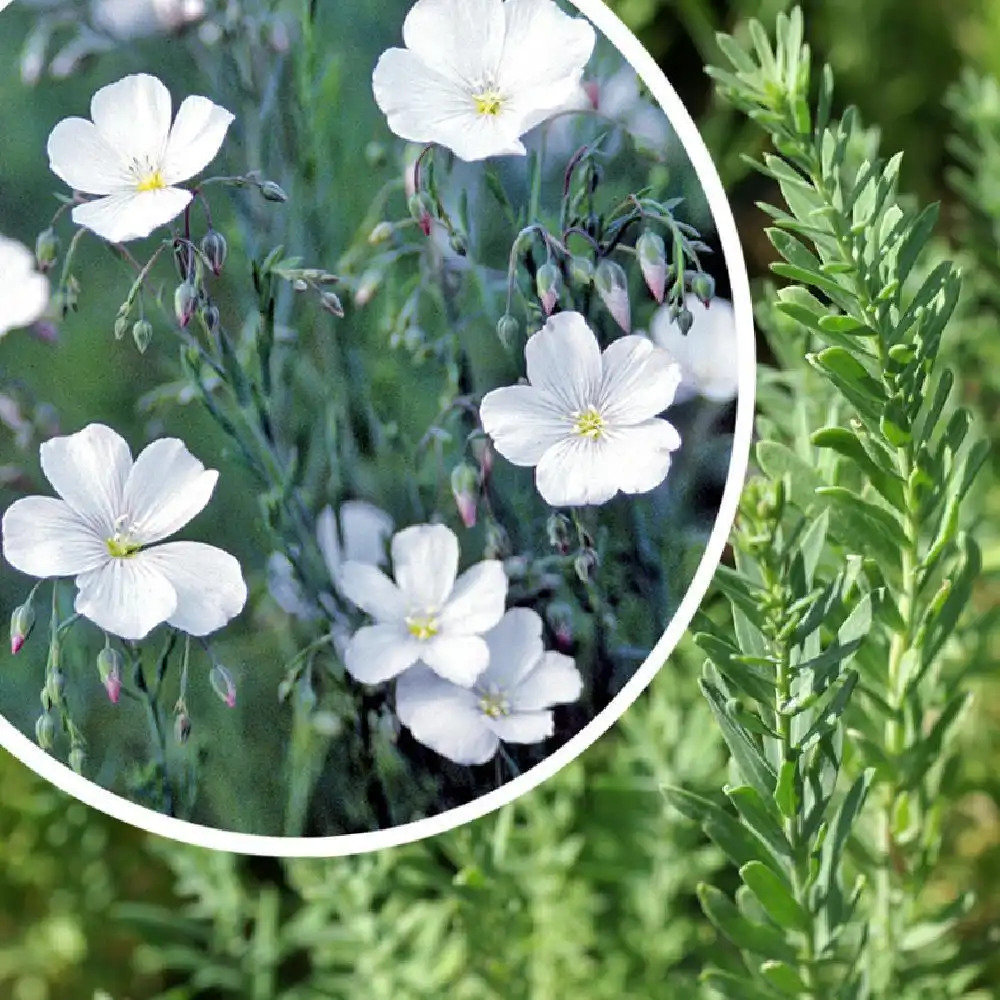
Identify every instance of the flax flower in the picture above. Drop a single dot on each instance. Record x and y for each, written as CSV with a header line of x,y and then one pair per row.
x,y
133,157
476,75
587,421
104,528
510,702
427,613
26,292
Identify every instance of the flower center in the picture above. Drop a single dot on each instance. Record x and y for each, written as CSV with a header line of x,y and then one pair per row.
x,y
589,423
422,627
152,181
122,544
489,102
494,703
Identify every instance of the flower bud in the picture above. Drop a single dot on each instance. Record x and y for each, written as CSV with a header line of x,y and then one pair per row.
x,y
22,621
223,684
483,452
465,490
330,302
109,667
507,330
684,320
703,286
459,244
422,209
182,727
271,192
185,302
497,542
652,253
211,317
121,325
55,684
585,565
581,271
214,248
559,530
612,286
77,758
381,233
547,282
375,154
560,619
367,287
46,250
45,731
142,334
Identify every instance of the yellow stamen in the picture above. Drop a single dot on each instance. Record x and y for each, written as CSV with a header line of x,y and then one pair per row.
x,y
122,547
489,103
589,423
422,627
152,182
494,705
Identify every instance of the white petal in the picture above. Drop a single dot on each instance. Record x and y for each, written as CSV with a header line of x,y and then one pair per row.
x,y
524,422
377,653
126,597
166,488
421,105
444,717
88,470
372,591
522,727
26,292
43,537
543,45
208,582
477,601
286,589
425,564
366,531
463,38
195,138
639,381
515,646
133,116
638,457
131,215
82,157
564,360
554,680
457,658
328,538
576,472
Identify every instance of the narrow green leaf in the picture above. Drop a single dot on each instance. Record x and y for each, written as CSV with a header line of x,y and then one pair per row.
x,y
774,896
737,987
836,838
748,936
786,795
762,817
845,442
783,978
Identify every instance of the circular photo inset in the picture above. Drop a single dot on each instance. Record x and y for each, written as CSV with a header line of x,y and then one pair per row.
x,y
376,384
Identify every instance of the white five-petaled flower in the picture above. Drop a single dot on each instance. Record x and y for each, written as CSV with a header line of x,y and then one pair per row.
x,y
362,536
476,75
25,291
511,701
428,614
104,528
133,157
707,354
588,421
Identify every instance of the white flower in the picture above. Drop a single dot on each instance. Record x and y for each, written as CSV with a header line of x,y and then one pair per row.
x,y
476,75
127,19
708,353
25,291
133,157
364,528
427,614
510,702
587,420
112,510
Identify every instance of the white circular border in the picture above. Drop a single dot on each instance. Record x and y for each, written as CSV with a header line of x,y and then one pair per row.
x,y
606,21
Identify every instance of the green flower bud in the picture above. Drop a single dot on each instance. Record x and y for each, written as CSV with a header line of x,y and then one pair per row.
x,y
121,326
375,154
109,667
652,253
547,284
508,330
272,192
331,303
55,684
585,565
459,244
381,233
22,621
182,727
559,531
497,541
684,320
142,334
185,302
45,731
46,250
422,209
703,286
465,490
581,271
612,286
215,250
211,317
77,758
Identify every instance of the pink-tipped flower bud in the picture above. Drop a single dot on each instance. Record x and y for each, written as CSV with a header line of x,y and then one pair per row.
x,y
215,250
109,667
46,250
581,271
703,286
612,286
185,302
465,490
560,618
422,209
547,283
22,621
223,684
482,449
652,253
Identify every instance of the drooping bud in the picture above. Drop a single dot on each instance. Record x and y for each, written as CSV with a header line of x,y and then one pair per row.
x,y
142,334
508,330
612,286
652,253
77,758
121,325
559,531
223,684
547,282
272,192
465,490
586,564
684,320
215,249
182,727
560,618
22,621
55,684
581,271
482,449
367,287
703,286
459,244
45,731
185,302
381,233
330,302
497,542
46,250
109,667
422,209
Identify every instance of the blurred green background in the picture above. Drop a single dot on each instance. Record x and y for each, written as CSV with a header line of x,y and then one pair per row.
x,y
586,886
